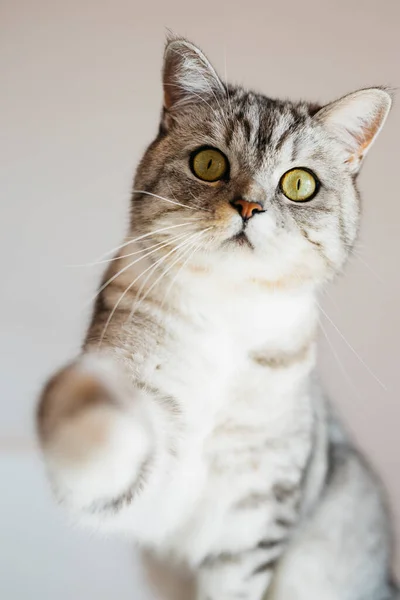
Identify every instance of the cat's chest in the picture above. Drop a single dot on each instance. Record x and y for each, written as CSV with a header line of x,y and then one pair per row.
x,y
213,363
243,424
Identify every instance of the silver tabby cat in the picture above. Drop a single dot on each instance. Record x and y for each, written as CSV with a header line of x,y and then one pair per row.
x,y
193,420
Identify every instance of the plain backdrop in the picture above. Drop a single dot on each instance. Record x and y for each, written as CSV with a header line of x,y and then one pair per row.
x,y
80,97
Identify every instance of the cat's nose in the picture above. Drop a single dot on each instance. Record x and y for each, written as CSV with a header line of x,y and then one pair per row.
x,y
246,209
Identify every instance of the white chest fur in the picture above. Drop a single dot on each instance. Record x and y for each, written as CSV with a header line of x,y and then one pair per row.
x,y
246,427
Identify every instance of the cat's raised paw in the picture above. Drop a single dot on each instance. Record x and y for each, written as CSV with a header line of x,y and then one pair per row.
x,y
93,430
68,395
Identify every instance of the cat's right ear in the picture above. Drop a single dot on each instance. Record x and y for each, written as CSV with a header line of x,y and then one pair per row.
x,y
188,76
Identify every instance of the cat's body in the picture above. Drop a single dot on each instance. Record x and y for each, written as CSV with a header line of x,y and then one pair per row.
x,y
193,421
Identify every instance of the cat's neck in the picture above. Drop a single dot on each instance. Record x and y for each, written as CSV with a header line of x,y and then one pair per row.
x,y
242,296
256,310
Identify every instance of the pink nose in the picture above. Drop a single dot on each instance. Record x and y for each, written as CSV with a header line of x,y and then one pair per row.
x,y
247,209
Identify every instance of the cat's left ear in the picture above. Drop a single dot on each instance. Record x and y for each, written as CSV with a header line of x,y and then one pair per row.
x,y
188,76
355,120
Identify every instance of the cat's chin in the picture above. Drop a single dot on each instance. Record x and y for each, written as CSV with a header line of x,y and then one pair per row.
x,y
239,240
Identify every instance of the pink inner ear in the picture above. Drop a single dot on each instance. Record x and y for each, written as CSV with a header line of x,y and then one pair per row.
x,y
366,136
355,120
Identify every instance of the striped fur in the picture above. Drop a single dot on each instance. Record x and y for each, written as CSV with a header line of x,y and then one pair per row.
x,y
192,420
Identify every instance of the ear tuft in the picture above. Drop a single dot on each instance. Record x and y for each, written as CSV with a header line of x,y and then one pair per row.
x,y
356,120
187,74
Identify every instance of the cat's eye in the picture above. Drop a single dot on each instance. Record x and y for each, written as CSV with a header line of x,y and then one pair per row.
x,y
209,164
299,185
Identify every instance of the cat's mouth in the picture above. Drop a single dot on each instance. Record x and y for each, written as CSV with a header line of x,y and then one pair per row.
x,y
241,239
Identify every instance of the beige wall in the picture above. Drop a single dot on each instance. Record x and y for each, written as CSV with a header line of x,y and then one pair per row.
x,y
80,98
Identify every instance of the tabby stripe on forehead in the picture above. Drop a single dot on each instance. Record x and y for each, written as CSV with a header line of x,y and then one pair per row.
x,y
247,128
285,135
295,149
229,135
262,141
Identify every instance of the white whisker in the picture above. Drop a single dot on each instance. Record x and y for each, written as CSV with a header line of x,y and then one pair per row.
x,y
196,199
362,361
167,200
120,256
339,362
180,252
132,284
193,248
193,196
155,267
367,266
132,241
125,269
141,300
152,266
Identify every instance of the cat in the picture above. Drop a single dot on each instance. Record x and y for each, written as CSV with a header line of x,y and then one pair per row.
x,y
194,421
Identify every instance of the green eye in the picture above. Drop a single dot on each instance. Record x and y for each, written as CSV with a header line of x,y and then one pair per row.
x,y
209,164
299,185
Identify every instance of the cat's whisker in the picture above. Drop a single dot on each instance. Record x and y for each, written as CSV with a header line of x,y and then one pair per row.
x,y
195,205
325,291
183,246
132,241
196,200
164,273
150,274
129,287
151,268
168,200
356,354
367,266
337,358
193,248
128,266
120,256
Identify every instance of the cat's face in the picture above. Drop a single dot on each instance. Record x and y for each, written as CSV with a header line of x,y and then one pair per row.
x,y
247,181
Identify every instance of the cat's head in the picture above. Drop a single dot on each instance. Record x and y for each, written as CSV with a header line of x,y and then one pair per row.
x,y
254,184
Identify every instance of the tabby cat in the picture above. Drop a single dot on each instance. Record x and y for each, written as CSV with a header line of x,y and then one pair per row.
x,y
193,420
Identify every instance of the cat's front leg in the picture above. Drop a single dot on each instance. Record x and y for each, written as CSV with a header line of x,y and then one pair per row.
x,y
99,435
241,576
